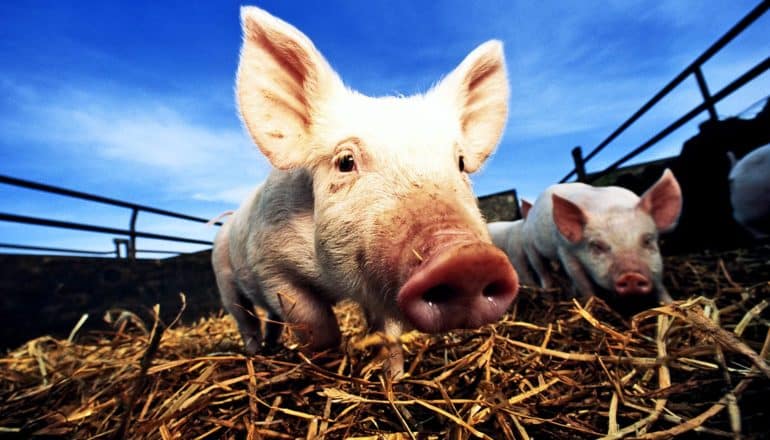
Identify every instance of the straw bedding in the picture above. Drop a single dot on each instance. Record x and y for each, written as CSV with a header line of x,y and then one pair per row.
x,y
552,368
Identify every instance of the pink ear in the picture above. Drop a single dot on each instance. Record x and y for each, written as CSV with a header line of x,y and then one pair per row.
x,y
663,201
569,218
525,207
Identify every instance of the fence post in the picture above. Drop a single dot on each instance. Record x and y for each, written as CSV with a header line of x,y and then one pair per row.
x,y
580,165
704,90
131,254
118,243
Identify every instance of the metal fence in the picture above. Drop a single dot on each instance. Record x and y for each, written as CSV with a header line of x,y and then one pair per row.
x,y
127,243
127,240
708,104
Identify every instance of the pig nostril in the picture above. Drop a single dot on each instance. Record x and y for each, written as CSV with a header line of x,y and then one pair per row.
x,y
494,289
438,294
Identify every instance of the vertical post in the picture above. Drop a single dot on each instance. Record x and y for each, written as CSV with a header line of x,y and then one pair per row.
x,y
117,247
704,90
580,165
132,238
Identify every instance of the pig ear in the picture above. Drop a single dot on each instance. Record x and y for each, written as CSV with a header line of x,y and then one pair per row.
x,y
479,88
282,80
525,207
570,219
663,201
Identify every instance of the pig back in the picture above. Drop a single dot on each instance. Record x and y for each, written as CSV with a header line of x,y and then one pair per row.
x,y
499,232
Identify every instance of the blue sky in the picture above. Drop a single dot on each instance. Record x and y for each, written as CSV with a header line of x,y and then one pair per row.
x,y
134,100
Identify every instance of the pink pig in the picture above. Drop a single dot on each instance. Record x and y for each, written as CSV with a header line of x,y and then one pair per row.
x,y
605,237
371,199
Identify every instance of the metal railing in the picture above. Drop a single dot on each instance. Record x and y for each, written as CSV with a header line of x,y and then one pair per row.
x,y
708,103
128,244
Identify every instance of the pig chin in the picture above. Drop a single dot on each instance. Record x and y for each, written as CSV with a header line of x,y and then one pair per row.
x,y
454,280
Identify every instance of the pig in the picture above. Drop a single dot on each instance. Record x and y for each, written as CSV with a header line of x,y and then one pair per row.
x,y
750,191
603,237
370,199
508,236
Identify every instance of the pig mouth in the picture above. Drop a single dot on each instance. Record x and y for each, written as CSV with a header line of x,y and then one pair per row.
x,y
461,285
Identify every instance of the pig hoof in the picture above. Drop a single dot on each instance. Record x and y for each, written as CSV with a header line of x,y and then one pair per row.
x,y
252,345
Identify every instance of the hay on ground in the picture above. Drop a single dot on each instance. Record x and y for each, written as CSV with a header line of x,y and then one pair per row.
x,y
552,368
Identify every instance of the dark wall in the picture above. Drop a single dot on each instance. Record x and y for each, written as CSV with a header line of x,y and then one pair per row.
x,y
48,295
501,206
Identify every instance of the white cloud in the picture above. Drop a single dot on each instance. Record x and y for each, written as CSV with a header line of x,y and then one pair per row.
x,y
234,194
147,137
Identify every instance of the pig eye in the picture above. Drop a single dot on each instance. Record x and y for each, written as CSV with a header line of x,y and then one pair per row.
x,y
462,164
598,246
346,163
648,241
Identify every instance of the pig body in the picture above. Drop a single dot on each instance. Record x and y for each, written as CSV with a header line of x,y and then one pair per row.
x,y
509,236
603,237
370,201
750,192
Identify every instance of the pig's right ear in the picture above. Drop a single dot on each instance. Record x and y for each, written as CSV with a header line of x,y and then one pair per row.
x,y
282,80
569,218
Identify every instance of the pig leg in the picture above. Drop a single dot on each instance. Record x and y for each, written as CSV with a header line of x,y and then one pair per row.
x,y
581,283
233,299
663,295
521,264
243,311
311,318
540,265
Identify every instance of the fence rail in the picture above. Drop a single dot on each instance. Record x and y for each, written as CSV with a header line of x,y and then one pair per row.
x,y
708,104
131,232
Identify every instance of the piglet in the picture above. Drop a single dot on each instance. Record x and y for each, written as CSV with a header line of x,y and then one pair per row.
x,y
750,191
603,237
508,236
371,199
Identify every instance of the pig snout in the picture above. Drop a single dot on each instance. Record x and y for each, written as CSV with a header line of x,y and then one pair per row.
x,y
461,286
633,283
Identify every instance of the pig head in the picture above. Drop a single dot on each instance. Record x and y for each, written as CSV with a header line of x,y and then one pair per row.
x,y
370,200
607,237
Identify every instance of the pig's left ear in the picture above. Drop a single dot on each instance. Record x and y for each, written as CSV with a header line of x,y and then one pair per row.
x,y
526,206
569,218
479,89
663,201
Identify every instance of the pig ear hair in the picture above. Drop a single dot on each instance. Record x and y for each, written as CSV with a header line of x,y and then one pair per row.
x,y
525,207
569,218
479,87
282,79
663,201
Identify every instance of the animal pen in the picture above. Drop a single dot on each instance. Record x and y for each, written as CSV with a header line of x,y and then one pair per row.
x,y
157,358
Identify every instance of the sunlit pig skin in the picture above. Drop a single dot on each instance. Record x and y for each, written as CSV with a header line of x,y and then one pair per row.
x,y
370,199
